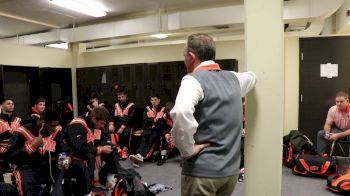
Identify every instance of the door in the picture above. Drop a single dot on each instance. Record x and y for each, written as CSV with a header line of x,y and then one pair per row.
x,y
317,94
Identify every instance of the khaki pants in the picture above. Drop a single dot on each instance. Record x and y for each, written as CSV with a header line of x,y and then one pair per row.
x,y
198,186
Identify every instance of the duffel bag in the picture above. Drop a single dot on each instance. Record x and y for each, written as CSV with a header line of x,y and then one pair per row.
x,y
339,183
315,165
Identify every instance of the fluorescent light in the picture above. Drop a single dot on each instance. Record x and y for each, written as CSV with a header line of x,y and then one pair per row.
x,y
93,4
160,35
60,45
88,7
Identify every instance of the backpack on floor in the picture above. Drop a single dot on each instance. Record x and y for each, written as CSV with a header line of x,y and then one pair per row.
x,y
8,189
295,144
315,165
129,184
339,183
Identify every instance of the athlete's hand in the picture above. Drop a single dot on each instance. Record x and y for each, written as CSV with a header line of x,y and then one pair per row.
x,y
105,149
38,142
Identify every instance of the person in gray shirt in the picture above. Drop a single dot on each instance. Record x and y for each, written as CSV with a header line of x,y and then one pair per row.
x,y
207,120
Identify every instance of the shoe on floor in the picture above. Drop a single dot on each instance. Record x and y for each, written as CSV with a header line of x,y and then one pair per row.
x,y
136,158
124,154
161,161
135,165
241,175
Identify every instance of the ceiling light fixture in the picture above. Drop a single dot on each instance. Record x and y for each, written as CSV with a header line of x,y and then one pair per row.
x,y
160,34
58,45
88,7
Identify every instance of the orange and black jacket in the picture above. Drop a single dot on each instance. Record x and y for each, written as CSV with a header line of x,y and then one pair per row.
x,y
75,139
152,117
21,152
34,113
7,125
125,116
165,123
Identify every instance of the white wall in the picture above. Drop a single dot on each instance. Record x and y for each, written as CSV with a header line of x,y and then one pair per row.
x,y
22,55
291,63
342,20
165,53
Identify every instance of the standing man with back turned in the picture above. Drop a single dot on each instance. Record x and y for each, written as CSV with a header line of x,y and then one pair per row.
x,y
208,120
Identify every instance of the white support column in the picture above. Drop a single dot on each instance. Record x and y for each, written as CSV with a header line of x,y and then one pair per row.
x,y
264,44
77,50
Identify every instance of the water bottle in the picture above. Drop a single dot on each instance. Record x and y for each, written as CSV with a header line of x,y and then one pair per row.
x,y
61,158
109,142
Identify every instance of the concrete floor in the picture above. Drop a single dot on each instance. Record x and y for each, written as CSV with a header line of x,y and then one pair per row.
x,y
169,175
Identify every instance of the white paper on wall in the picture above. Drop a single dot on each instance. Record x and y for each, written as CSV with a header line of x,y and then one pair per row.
x,y
329,70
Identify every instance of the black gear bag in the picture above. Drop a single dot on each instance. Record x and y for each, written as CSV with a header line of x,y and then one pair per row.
x,y
129,184
315,165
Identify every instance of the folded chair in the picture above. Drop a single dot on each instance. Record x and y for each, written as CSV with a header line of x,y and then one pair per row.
x,y
339,143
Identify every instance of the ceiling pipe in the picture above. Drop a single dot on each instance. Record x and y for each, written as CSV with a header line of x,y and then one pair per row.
x,y
28,20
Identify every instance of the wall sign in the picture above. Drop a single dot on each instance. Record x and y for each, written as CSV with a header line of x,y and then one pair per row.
x,y
329,70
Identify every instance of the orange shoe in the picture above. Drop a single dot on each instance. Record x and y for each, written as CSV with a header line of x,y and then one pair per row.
x,y
124,154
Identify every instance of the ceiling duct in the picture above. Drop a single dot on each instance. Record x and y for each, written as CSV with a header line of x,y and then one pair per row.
x,y
298,14
297,27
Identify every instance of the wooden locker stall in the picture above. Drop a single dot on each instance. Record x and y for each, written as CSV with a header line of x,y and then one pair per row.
x,y
139,81
55,84
21,84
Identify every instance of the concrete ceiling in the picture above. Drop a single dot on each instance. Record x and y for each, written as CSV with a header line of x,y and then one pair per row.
x,y
19,17
128,22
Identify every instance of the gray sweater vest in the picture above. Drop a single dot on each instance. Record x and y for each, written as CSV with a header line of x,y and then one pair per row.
x,y
219,116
